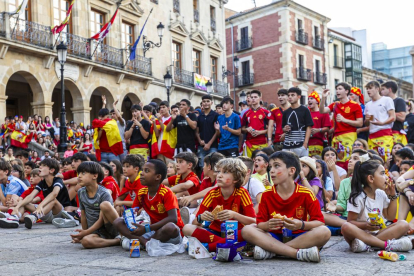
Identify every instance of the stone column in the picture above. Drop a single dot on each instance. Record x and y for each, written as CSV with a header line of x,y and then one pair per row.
x,y
82,115
43,109
3,112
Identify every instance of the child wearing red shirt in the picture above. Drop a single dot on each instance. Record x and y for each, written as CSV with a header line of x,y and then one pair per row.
x,y
302,216
109,181
236,202
160,204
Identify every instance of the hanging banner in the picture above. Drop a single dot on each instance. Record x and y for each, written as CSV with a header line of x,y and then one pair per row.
x,y
200,81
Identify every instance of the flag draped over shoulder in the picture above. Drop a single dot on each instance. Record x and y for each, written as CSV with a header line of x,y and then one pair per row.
x,y
20,140
154,141
58,28
169,141
105,29
112,135
20,9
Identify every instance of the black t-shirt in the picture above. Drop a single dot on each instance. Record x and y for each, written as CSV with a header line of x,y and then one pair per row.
x,y
395,168
136,137
63,195
399,107
298,119
410,131
205,125
185,134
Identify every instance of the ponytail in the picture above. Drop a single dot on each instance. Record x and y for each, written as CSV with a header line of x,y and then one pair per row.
x,y
359,178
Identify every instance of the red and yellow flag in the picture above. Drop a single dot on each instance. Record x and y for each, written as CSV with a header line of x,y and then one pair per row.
x,y
154,141
20,140
58,28
112,135
169,141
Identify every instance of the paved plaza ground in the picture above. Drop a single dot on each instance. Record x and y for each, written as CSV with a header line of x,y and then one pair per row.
x,y
46,250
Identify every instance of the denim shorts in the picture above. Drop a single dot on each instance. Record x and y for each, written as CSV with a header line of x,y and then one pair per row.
x,y
279,237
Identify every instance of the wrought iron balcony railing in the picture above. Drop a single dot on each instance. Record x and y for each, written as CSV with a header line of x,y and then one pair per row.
x,y
140,65
77,45
245,79
318,43
183,77
2,30
302,37
220,87
109,55
244,44
31,32
319,78
303,74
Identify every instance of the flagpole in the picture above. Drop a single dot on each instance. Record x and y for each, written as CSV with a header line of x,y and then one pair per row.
x,y
100,40
57,39
17,21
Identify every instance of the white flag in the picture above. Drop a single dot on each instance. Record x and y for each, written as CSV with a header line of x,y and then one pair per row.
x,y
20,9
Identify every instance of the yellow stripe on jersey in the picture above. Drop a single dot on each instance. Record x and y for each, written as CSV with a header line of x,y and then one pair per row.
x,y
143,191
210,197
307,191
247,199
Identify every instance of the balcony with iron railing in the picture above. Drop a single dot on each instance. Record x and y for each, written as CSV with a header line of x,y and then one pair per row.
x,y
140,65
184,77
303,74
319,78
338,62
196,16
318,43
302,37
245,79
77,45
31,33
220,88
176,6
213,24
244,44
2,30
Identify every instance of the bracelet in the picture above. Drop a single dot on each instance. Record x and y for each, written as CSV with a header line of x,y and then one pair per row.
x,y
303,225
406,190
199,220
147,228
320,130
394,197
303,179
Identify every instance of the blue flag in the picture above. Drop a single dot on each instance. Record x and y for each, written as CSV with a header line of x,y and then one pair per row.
x,y
134,48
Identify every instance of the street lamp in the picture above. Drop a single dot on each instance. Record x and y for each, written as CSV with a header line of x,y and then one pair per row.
x,y
62,52
209,86
168,81
227,73
149,44
242,96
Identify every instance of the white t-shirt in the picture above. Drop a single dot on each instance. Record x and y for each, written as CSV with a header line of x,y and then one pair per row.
x,y
329,184
340,171
367,205
380,110
254,187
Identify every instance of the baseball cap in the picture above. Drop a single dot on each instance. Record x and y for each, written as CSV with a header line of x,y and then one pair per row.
x,y
242,103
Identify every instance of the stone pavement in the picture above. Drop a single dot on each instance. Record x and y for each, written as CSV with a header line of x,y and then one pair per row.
x,y
46,250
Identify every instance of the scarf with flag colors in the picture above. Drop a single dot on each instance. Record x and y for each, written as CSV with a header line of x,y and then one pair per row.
x,y
20,140
105,29
20,9
112,135
59,28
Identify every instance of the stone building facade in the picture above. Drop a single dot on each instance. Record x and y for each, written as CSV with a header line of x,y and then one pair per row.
x,y
279,45
193,42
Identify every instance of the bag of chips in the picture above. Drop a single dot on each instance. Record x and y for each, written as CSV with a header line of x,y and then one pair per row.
x,y
229,252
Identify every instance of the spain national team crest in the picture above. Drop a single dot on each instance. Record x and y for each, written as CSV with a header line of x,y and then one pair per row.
x,y
235,208
300,212
161,208
347,110
260,116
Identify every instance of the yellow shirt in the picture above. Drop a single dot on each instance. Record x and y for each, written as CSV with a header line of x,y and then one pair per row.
x,y
262,177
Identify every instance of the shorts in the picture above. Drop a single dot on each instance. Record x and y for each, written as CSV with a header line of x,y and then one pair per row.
x,y
144,152
343,145
249,150
279,237
399,138
230,152
383,145
107,232
176,240
214,232
49,217
300,152
315,150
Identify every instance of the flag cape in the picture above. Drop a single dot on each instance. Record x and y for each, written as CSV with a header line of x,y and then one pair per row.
x,y
20,9
105,29
20,140
134,48
58,28
169,141
112,134
154,141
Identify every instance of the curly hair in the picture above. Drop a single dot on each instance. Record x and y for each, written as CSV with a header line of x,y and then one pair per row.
x,y
234,166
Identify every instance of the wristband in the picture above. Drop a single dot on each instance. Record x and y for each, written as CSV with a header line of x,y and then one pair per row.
x,y
199,220
303,225
147,228
186,116
394,197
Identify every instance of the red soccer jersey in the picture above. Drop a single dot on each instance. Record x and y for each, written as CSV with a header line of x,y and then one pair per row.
x,y
302,205
350,110
206,183
319,121
239,202
110,184
277,115
158,206
69,175
30,190
256,119
132,188
176,179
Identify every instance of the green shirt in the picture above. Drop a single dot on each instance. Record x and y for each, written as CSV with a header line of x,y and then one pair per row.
x,y
343,194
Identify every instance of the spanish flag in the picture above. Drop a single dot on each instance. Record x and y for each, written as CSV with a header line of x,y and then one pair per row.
x,y
153,141
20,140
112,135
169,141
58,28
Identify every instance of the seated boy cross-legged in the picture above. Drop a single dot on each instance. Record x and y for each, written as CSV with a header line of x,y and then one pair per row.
x,y
302,211
97,212
234,199
160,204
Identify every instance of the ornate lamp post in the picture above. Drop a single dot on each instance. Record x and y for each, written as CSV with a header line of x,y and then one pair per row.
x,y
149,44
62,52
168,81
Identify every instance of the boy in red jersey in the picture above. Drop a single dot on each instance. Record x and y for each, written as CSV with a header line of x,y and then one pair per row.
x,y
321,125
235,200
276,120
302,213
132,167
160,204
109,181
347,117
255,122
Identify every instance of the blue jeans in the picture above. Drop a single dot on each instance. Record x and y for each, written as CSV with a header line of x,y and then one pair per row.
x,y
107,157
202,153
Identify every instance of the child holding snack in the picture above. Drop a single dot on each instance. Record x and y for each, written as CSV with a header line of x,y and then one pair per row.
x,y
261,164
370,196
301,209
228,201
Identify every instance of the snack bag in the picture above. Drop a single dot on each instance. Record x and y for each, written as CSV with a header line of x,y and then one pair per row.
x,y
388,255
229,252
129,218
376,219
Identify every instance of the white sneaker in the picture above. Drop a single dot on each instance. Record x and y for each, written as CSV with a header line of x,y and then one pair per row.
x,y
10,222
185,215
29,220
400,245
309,255
4,215
125,243
64,223
261,254
358,246
66,215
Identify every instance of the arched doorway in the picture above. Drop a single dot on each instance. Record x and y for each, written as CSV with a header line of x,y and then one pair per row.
x,y
73,98
156,100
96,101
129,100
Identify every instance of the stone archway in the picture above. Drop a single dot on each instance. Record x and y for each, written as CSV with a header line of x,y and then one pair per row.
x,y
156,100
129,100
95,101
74,105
